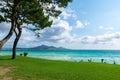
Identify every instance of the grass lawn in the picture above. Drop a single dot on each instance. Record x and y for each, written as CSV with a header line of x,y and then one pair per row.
x,y
25,68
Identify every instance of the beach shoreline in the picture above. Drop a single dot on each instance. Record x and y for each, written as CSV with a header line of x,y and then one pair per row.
x,y
109,56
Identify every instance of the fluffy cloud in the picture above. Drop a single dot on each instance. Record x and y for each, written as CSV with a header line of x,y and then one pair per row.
x,y
4,27
28,39
68,13
59,32
87,40
103,39
80,24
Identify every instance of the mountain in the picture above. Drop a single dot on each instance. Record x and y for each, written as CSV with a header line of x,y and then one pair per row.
x,y
44,47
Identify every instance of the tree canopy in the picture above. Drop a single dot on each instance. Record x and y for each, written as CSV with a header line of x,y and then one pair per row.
x,y
35,12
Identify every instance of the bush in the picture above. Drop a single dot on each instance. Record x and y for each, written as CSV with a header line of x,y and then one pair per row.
x,y
25,53
21,54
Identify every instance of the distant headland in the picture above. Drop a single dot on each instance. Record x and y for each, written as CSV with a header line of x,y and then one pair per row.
x,y
41,47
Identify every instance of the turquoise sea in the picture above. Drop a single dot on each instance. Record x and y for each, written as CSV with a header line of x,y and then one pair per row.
x,y
109,56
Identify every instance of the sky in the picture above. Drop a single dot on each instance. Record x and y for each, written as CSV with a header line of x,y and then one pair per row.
x,y
83,24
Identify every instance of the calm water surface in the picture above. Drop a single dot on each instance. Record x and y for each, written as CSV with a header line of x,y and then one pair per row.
x,y
109,56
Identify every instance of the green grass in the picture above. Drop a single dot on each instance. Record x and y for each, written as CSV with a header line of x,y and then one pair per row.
x,y
26,68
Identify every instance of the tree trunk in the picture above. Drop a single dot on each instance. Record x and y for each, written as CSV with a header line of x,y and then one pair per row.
x,y
16,41
4,40
14,8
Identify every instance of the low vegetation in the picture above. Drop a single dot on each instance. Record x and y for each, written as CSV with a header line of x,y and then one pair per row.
x,y
25,68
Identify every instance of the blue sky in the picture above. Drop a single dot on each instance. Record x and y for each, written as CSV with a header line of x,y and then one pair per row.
x,y
84,24
99,13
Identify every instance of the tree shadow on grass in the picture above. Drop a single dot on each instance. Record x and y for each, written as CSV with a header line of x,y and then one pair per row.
x,y
5,58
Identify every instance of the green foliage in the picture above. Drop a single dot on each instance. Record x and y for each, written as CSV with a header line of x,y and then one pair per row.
x,y
5,10
35,12
62,3
39,69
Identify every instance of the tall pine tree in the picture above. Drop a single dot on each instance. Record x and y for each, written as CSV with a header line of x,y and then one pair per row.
x,y
34,12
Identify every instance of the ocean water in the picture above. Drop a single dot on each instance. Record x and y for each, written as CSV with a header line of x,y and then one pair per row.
x,y
109,56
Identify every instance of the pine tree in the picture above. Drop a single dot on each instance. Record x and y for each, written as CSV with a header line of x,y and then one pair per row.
x,y
34,12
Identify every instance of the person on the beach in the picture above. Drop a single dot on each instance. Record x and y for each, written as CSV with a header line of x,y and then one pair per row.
x,y
114,62
90,60
102,60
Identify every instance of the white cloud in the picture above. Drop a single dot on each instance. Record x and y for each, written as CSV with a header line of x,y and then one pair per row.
x,y
4,27
109,39
105,28
28,39
67,13
106,41
27,35
87,40
86,23
59,32
80,24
